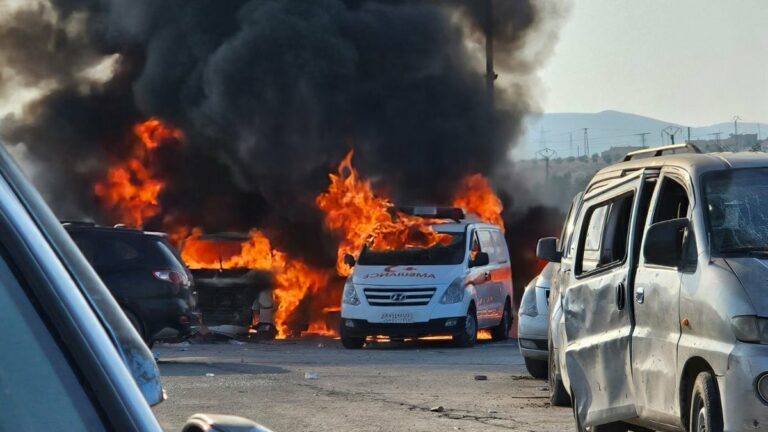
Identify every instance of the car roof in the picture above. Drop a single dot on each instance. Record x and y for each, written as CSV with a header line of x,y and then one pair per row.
x,y
88,226
694,163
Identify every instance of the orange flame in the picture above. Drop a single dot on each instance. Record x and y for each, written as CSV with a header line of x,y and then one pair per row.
x,y
353,211
294,279
475,195
130,190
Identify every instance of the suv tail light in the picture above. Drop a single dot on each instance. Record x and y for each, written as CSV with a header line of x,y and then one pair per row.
x,y
171,276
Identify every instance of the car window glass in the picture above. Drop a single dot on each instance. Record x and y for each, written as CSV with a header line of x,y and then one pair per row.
x,y
591,249
605,241
115,251
487,244
672,202
39,389
502,255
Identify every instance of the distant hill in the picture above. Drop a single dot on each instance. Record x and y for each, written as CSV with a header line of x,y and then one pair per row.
x,y
564,133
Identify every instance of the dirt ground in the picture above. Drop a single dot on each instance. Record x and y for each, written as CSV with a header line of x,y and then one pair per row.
x,y
384,387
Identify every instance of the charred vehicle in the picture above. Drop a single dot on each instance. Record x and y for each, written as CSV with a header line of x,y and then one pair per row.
x,y
234,299
664,320
145,275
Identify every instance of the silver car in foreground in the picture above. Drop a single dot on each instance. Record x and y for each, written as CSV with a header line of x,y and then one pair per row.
x,y
533,323
663,294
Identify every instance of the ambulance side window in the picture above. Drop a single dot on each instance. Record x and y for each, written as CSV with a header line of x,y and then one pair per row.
x,y
502,254
487,244
474,247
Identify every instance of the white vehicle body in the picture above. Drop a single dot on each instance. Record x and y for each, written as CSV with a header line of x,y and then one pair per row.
x,y
661,319
533,322
411,300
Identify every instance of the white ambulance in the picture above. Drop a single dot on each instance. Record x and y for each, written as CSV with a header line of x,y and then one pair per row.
x,y
455,289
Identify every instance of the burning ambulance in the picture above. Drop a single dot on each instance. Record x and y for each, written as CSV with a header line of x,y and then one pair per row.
x,y
450,275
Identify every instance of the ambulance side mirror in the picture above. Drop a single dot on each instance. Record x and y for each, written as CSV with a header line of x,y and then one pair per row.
x,y
349,260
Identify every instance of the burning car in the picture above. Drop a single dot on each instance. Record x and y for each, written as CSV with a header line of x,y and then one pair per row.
x,y
455,282
233,297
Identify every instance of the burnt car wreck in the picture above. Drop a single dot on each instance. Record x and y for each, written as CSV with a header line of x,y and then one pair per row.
x,y
234,300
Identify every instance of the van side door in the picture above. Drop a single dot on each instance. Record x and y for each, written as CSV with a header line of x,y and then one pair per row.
x,y
489,286
657,315
598,320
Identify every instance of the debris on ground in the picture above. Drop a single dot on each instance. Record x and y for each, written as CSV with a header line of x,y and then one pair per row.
x,y
490,411
542,389
210,374
481,378
310,375
437,409
236,342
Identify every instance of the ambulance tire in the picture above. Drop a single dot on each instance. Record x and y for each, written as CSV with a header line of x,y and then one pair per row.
x,y
468,336
350,342
501,331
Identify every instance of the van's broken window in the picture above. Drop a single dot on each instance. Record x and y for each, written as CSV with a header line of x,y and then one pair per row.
x,y
736,202
605,241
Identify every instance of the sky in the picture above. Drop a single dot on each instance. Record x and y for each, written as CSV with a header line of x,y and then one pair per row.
x,y
694,62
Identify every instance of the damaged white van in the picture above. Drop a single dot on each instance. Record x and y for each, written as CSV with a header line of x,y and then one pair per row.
x,y
662,288
454,288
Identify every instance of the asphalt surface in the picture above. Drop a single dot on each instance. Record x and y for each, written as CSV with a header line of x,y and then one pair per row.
x,y
316,385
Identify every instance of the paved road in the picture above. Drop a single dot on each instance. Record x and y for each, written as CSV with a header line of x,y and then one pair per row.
x,y
384,387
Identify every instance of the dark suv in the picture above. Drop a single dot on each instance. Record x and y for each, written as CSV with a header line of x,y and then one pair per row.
x,y
146,277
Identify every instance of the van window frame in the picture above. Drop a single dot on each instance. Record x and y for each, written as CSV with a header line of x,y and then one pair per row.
x,y
578,273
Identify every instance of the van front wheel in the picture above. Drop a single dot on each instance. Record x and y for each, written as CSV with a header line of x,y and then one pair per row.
x,y
706,411
350,342
468,337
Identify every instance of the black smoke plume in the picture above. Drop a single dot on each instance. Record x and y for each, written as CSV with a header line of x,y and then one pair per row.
x,y
270,95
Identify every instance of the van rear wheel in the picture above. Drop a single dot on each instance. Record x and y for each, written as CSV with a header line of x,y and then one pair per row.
x,y
501,331
468,337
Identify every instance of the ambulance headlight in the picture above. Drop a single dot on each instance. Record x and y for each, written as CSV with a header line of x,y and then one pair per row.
x,y
455,292
350,294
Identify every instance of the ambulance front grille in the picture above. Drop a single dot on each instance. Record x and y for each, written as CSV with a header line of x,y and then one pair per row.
x,y
399,296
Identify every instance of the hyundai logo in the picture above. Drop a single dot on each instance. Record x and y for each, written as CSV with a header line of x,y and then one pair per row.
x,y
398,297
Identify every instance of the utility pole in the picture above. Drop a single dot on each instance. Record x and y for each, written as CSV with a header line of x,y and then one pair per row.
x,y
546,153
689,134
642,137
736,130
570,144
717,139
671,131
490,74
586,141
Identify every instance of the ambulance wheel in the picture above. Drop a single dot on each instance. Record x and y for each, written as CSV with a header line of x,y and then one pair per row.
x,y
350,342
706,412
468,337
501,331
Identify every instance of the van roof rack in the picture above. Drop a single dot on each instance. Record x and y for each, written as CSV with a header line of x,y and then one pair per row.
x,y
659,151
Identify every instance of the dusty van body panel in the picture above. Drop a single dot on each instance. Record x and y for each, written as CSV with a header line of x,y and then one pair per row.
x,y
682,317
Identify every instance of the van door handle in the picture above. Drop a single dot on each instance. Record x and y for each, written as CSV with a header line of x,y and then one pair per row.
x,y
640,295
620,293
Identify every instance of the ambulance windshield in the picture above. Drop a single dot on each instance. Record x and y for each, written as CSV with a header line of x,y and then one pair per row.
x,y
450,254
